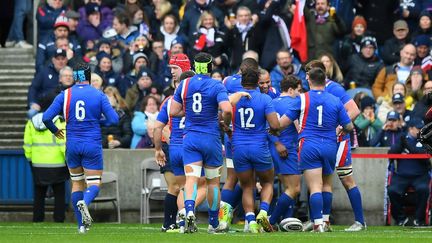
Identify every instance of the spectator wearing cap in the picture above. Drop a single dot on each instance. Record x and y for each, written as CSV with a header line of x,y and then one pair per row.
x,y
398,72
367,123
286,64
143,87
351,43
415,84
190,19
107,14
46,16
363,67
424,25
73,18
208,38
105,71
390,50
422,44
125,33
15,37
390,132
45,81
242,35
47,47
409,172
398,103
140,60
139,45
93,26
116,54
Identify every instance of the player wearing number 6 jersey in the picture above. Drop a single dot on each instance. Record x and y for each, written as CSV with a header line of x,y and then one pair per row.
x,y
251,154
82,107
319,114
199,98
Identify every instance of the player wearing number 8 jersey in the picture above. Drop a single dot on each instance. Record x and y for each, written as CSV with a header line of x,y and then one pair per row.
x,y
251,154
319,114
199,99
83,107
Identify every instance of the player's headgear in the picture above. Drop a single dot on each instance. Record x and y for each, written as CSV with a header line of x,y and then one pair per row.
x,y
82,72
180,60
203,63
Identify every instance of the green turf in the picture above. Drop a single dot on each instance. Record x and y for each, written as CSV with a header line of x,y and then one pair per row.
x,y
50,232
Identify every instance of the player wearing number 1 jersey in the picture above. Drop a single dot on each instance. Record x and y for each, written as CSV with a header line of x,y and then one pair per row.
x,y
199,99
83,107
251,153
319,114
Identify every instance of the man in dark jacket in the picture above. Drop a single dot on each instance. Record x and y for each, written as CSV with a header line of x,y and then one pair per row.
x,y
390,133
45,81
409,172
390,50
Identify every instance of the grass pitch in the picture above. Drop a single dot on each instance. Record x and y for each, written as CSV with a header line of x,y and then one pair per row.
x,y
51,232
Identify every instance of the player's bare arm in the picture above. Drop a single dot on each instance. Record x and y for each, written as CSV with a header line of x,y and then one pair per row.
x,y
226,108
235,98
352,109
157,136
176,109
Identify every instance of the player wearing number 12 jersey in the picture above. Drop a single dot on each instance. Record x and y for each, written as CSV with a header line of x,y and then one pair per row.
x,y
83,107
251,152
199,99
319,114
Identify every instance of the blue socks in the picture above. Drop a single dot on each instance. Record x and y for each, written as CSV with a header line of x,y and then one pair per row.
x,y
283,205
90,194
232,197
77,196
189,206
250,216
356,204
170,210
327,202
238,193
316,206
213,218
264,206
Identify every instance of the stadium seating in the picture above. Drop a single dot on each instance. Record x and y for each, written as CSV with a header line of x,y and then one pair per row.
x,y
109,178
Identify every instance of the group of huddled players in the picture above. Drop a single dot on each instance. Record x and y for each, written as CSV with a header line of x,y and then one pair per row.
x,y
265,134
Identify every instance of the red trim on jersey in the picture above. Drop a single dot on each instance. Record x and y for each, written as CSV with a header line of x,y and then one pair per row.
x,y
185,90
41,11
305,112
301,142
341,162
68,100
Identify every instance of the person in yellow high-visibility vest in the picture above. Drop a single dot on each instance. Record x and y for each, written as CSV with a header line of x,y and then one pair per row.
x,y
46,155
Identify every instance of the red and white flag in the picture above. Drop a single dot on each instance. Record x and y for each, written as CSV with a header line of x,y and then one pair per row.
x,y
298,31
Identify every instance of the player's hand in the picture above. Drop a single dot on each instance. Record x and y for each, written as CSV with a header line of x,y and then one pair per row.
x,y
282,150
160,157
59,134
274,132
114,144
225,128
245,94
35,106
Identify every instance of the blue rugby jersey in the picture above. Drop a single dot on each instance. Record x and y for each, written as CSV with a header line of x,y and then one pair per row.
x,y
176,124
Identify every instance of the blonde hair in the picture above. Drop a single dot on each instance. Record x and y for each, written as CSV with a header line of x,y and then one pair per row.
x,y
204,15
334,71
110,90
96,79
163,8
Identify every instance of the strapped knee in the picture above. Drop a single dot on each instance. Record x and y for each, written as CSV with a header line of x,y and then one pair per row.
x,y
77,177
193,170
344,171
229,163
211,173
96,179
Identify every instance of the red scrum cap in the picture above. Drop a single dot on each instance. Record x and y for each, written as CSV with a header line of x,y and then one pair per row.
x,y
180,60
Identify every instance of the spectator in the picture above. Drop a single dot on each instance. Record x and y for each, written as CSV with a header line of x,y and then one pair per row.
x,y
242,35
162,8
422,43
363,67
116,55
392,47
93,26
193,13
425,102
157,62
46,16
122,132
333,71
139,45
398,102
139,19
409,172
218,75
424,25
73,18
410,11
140,60
397,72
107,15
286,65
15,37
143,123
47,46
63,43
390,132
65,81
46,155
97,82
105,71
323,28
415,85
366,123
125,33
45,81
386,103
142,88
351,42
168,31
208,38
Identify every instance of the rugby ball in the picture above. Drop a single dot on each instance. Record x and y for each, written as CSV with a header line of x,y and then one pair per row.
x,y
291,224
